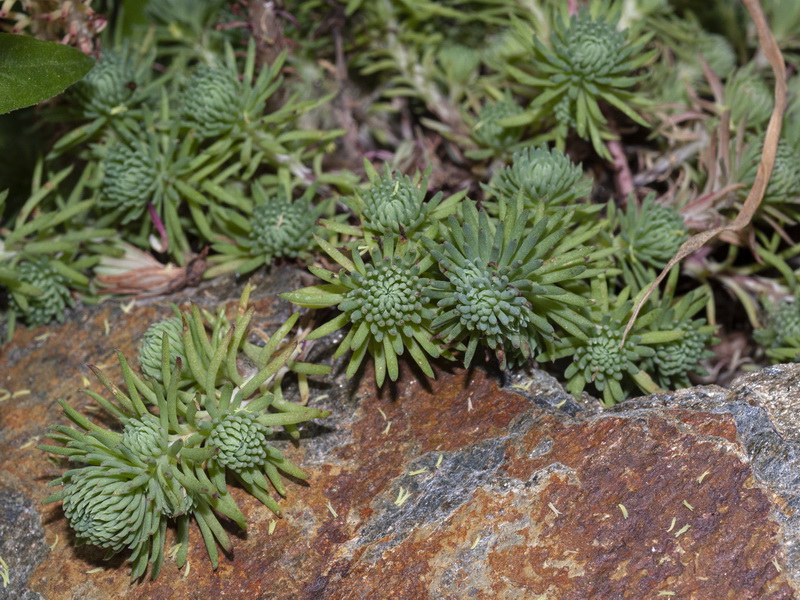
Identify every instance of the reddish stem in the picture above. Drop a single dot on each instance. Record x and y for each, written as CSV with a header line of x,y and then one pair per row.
x,y
623,178
572,7
159,224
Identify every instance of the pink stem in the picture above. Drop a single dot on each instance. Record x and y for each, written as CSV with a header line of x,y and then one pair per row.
x,y
159,224
623,178
383,155
231,25
288,16
572,7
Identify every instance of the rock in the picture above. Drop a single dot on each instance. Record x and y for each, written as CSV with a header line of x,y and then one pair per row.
x,y
462,487
21,539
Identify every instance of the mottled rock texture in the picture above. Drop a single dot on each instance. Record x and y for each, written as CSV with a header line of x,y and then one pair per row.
x,y
463,487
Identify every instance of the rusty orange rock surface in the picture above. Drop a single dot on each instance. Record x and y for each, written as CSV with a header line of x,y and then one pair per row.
x,y
453,488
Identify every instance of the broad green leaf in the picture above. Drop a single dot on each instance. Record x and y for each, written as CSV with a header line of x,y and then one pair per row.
x,y
32,70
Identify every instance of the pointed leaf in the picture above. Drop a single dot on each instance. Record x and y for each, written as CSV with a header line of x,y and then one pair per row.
x,y
33,70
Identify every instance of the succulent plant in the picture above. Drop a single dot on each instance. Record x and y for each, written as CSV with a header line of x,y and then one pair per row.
x,y
211,102
151,347
54,297
544,176
202,332
395,205
159,170
780,335
240,440
277,226
108,88
113,511
604,359
130,180
651,233
718,53
496,289
782,197
45,249
144,437
283,227
749,97
114,96
588,62
229,107
384,299
675,359
490,133
481,296
122,497
169,464
600,357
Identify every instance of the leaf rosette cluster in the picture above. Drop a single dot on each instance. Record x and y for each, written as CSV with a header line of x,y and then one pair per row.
x,y
182,436
384,298
587,61
396,205
664,345
502,281
544,176
780,334
491,131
